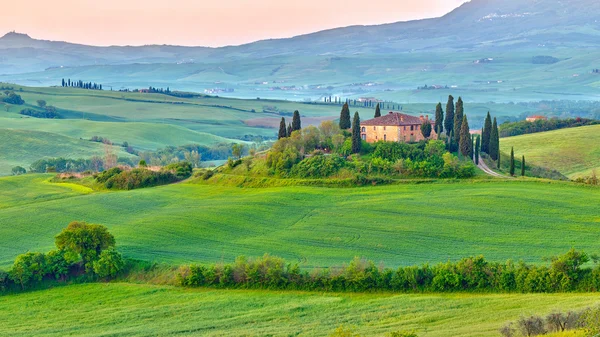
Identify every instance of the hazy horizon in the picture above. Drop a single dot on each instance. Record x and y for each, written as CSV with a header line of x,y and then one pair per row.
x,y
228,22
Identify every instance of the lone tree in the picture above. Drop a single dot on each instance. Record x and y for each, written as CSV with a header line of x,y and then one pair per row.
x,y
449,121
477,149
523,167
356,141
458,116
494,147
345,123
426,129
282,129
85,241
296,124
486,133
465,142
512,161
439,119
41,103
377,111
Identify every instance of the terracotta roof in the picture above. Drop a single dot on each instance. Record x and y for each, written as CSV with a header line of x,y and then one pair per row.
x,y
394,119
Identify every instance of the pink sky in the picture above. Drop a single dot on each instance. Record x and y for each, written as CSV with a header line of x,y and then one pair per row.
x,y
201,22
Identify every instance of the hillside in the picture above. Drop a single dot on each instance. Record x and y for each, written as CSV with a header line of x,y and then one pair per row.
x,y
311,225
165,311
574,152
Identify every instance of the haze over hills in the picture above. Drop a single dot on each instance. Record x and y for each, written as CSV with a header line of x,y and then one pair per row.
x,y
388,61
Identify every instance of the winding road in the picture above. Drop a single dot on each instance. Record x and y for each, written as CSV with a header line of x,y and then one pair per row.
x,y
489,171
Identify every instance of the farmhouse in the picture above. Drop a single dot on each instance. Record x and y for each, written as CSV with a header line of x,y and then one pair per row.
x,y
536,118
395,127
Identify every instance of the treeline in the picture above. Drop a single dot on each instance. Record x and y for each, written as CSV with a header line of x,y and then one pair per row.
x,y
63,165
192,153
80,84
524,127
82,250
11,98
587,320
564,274
141,177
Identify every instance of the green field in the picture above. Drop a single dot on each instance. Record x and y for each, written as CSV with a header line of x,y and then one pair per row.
x,y
145,310
574,152
397,225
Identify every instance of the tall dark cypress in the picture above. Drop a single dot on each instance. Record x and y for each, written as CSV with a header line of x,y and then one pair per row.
x,y
477,149
486,133
296,124
494,149
282,129
512,161
458,116
356,141
377,111
449,121
345,122
439,119
523,167
289,130
465,142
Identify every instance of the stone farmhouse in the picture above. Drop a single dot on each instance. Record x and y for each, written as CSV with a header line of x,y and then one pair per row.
x,y
395,127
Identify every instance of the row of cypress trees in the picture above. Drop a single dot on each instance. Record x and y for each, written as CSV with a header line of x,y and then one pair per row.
x,y
346,124
286,131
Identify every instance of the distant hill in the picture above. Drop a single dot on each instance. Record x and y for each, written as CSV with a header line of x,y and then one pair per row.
x,y
354,60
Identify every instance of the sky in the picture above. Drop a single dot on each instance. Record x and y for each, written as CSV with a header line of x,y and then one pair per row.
x,y
201,22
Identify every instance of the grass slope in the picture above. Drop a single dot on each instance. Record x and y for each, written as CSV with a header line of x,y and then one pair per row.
x,y
397,225
144,310
574,152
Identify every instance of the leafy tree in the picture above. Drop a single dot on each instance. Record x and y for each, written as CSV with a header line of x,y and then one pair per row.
x,y
439,119
458,116
494,147
477,149
465,141
142,163
13,99
356,140
449,120
109,263
512,161
57,264
84,241
345,122
41,103
296,124
282,129
523,167
377,111
29,267
237,150
486,134
426,129
18,170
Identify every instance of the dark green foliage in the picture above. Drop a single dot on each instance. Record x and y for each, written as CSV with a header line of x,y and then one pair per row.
x,y
289,130
282,129
18,170
318,166
477,149
57,264
296,123
512,161
345,122
439,119
449,120
458,117
426,129
356,140
525,127
13,98
103,177
523,167
181,170
28,268
85,241
465,141
494,146
142,163
48,112
377,111
171,153
140,178
486,134
109,263
94,164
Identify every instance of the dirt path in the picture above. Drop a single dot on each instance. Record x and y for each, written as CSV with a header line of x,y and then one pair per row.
x,y
489,171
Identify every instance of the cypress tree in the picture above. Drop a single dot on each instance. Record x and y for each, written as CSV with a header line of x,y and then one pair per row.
x,y
356,141
465,141
477,149
512,161
345,123
426,129
439,119
282,129
498,160
458,116
296,124
289,130
486,133
377,111
494,147
523,167
449,121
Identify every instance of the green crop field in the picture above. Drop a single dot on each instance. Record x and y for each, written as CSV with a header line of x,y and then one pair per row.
x,y
146,310
397,225
574,152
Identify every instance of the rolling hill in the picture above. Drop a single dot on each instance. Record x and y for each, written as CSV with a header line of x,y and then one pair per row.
x,y
575,152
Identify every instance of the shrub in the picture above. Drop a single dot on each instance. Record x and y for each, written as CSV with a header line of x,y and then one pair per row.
x,y
4,281
140,178
18,170
182,170
318,166
84,241
531,326
28,268
48,112
109,263
57,264
13,98
104,176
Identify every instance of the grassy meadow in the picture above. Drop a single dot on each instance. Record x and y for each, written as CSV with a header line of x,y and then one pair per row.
x,y
574,152
397,225
117,309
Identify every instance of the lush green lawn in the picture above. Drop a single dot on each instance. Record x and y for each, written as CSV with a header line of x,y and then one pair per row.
x,y
574,152
398,225
145,310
